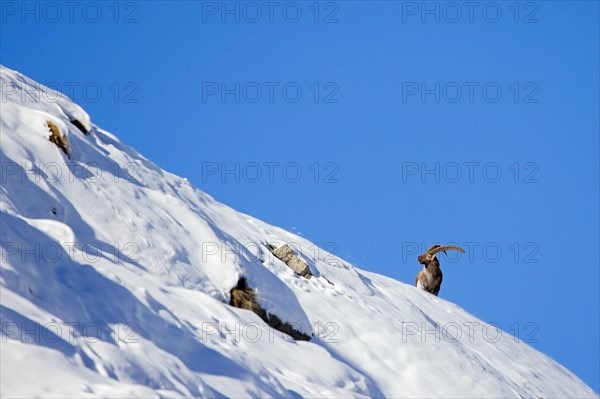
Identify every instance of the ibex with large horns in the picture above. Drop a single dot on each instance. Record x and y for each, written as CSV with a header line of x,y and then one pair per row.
x,y
430,278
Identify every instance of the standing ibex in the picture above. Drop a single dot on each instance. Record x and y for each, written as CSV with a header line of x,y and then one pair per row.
x,y
430,278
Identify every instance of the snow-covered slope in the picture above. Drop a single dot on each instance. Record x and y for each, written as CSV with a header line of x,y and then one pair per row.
x,y
116,277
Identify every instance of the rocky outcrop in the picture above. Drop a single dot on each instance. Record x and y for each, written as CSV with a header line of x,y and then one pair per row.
x,y
244,297
287,256
58,139
80,126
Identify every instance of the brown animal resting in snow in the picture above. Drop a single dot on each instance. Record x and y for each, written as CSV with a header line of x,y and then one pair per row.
x,y
430,278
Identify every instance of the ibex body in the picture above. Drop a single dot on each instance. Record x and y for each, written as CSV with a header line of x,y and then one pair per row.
x,y
430,278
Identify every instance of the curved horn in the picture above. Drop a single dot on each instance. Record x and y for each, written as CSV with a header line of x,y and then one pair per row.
x,y
444,248
431,248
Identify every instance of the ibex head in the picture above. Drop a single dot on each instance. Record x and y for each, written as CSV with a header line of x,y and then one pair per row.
x,y
429,255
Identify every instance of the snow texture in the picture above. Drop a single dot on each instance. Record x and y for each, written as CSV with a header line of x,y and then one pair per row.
x,y
116,277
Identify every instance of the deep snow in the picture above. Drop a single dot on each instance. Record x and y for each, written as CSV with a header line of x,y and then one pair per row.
x,y
116,278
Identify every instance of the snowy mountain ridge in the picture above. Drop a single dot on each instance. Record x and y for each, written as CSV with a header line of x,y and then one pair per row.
x,y
117,277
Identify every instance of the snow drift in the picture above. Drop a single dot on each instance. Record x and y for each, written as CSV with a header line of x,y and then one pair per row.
x,y
116,277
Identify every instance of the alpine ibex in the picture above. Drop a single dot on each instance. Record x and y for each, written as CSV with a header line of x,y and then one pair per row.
x,y
430,278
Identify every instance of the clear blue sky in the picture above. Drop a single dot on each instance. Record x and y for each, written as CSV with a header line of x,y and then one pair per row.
x,y
369,121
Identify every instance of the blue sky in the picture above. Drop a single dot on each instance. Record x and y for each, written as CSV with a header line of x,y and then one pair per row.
x,y
369,128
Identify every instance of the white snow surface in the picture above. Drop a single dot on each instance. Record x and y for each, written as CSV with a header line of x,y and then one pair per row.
x,y
116,275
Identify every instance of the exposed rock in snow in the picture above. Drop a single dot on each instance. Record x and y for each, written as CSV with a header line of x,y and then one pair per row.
x,y
287,256
58,139
243,297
